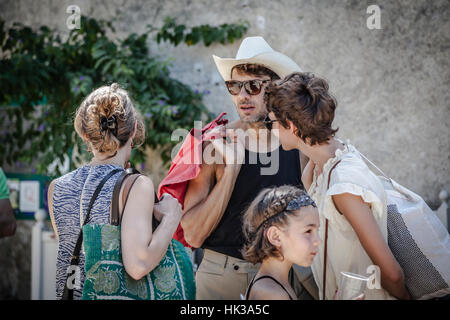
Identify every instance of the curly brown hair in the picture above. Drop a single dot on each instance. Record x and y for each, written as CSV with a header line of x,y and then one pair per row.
x,y
108,101
303,98
255,70
267,209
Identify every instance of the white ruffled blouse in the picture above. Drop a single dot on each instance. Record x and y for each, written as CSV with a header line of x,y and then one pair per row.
x,y
344,250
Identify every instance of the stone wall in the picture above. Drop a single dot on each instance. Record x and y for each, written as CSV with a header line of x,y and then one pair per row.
x,y
392,84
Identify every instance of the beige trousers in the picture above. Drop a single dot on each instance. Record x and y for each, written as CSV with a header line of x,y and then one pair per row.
x,y
221,277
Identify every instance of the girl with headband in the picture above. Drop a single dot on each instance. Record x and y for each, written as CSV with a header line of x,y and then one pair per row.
x,y
281,228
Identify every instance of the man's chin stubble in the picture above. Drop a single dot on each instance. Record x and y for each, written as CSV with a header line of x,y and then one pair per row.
x,y
256,119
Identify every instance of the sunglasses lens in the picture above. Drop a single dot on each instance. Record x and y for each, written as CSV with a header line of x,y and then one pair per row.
x,y
234,87
253,87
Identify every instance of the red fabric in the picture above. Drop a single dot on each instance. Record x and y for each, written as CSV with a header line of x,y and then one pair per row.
x,y
186,166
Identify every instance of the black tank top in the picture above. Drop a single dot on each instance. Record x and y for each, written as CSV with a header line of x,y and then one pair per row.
x,y
228,237
247,296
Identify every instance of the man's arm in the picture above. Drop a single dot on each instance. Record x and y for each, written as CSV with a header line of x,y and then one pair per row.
x,y
208,194
205,202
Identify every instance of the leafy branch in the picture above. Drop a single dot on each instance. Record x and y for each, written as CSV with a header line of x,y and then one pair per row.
x,y
44,79
225,33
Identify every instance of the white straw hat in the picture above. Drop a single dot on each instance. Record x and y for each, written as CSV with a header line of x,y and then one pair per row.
x,y
256,50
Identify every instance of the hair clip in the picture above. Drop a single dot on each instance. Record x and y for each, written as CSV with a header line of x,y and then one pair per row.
x,y
108,123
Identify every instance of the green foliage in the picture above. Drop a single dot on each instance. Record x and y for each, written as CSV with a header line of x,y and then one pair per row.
x,y
44,79
176,34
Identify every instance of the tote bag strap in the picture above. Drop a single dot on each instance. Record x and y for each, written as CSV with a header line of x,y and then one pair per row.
x,y
114,214
75,258
406,195
373,165
326,242
129,178
367,160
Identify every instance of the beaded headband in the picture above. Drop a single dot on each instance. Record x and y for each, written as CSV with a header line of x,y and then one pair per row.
x,y
302,200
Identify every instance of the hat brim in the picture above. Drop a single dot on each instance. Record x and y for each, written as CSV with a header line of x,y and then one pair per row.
x,y
277,62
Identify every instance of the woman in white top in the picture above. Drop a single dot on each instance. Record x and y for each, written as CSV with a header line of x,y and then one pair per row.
x,y
347,193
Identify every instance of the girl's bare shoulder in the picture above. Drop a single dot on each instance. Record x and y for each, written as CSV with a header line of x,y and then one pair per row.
x,y
267,289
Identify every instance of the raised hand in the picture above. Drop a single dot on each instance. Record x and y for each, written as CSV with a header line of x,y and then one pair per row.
x,y
167,208
228,144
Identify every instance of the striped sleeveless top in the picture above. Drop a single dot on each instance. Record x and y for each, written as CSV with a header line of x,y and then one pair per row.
x,y
71,196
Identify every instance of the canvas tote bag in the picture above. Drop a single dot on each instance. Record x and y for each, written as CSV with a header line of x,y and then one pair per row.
x,y
418,240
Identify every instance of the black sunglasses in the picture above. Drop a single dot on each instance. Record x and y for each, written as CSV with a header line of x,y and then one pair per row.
x,y
268,122
253,87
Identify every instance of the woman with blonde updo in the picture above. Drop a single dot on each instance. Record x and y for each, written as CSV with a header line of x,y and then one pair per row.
x,y
110,126
280,227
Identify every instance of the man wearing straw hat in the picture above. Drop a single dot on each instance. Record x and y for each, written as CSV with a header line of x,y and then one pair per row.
x,y
217,197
